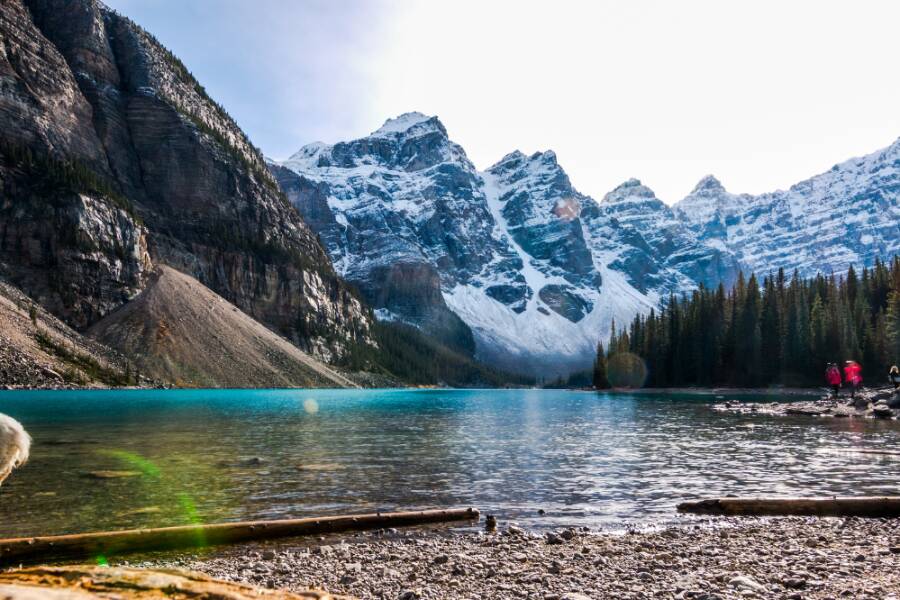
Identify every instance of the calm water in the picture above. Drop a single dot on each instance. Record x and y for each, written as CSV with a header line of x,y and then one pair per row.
x,y
587,459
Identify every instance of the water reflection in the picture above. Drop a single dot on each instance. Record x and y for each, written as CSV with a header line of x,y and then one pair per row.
x,y
150,458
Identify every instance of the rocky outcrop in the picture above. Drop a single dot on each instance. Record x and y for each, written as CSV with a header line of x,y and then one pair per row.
x,y
84,87
879,403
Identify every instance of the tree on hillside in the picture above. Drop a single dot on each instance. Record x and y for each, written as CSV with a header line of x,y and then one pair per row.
x,y
893,327
600,377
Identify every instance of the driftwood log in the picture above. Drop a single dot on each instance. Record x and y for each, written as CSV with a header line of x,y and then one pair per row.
x,y
863,506
104,544
82,582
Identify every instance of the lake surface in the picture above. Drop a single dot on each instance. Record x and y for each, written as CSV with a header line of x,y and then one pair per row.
x,y
585,458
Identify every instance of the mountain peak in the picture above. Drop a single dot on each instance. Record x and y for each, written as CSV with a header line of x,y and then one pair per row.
x,y
405,122
633,188
548,156
709,184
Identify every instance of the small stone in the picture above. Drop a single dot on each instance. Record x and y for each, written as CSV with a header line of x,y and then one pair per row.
x,y
745,583
490,523
794,583
553,538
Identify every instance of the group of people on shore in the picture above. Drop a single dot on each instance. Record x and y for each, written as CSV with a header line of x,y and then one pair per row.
x,y
852,377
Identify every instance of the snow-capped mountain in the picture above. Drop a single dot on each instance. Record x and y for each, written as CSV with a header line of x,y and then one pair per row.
x,y
849,215
512,262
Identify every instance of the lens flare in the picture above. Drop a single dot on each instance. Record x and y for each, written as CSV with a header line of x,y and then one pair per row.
x,y
151,471
567,209
626,370
135,461
311,406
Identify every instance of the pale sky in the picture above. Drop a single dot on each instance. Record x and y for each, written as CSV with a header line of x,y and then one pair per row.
x,y
761,94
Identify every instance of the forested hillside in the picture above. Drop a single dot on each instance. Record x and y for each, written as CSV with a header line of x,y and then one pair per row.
x,y
778,331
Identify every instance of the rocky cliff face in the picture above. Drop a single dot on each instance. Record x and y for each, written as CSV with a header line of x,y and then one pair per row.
x,y
83,87
849,215
536,270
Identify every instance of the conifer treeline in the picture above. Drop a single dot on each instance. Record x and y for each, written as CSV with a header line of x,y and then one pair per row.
x,y
781,332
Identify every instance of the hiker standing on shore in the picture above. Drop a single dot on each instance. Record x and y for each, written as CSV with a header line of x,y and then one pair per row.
x,y
853,376
894,377
833,378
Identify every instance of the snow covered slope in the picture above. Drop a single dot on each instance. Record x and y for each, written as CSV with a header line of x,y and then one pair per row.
x,y
513,263
848,215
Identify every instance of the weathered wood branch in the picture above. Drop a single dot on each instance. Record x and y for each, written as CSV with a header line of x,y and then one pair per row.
x,y
85,582
863,506
109,543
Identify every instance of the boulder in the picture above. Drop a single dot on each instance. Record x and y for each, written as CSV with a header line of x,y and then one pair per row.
x,y
894,400
882,411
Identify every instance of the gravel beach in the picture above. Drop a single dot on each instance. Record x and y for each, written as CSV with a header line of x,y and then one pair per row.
x,y
790,558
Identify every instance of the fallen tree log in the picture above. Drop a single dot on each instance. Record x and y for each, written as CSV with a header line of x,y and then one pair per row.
x,y
109,543
102,583
863,506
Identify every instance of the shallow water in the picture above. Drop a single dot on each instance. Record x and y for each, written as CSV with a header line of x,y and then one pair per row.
x,y
585,458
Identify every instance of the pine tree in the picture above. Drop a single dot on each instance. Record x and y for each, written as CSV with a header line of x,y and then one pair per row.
x,y
600,377
771,335
892,322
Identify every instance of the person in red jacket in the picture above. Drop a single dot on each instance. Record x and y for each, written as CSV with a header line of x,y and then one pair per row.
x,y
833,378
853,376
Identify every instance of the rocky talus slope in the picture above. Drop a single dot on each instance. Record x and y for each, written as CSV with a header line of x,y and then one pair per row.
x,y
39,350
113,159
179,330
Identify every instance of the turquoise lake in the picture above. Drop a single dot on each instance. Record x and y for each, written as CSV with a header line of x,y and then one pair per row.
x,y
585,458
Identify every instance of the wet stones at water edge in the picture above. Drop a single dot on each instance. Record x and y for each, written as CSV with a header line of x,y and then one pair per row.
x,y
880,403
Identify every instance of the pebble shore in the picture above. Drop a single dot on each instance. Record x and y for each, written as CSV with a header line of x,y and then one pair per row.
x,y
788,558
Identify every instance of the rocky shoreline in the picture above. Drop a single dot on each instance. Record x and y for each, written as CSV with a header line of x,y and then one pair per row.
x,y
881,403
790,558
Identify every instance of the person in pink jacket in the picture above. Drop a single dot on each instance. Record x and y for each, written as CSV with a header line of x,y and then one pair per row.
x,y
853,376
833,378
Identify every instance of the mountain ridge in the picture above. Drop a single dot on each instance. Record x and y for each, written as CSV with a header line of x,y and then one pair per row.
x,y
826,223
513,251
